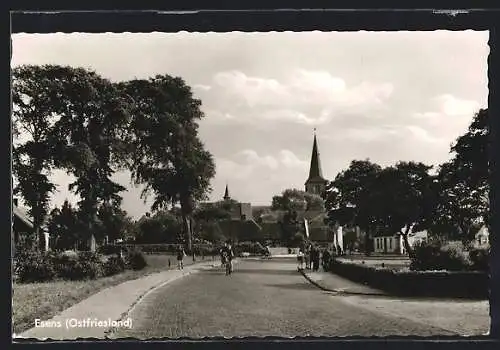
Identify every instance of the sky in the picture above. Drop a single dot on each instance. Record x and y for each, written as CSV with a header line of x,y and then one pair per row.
x,y
386,96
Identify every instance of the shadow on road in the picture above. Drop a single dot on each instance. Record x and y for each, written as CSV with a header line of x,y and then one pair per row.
x,y
266,271
295,286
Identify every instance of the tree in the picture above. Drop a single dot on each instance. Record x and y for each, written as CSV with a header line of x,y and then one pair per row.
x,y
83,119
404,198
90,136
462,187
32,150
114,222
349,198
292,202
63,227
166,153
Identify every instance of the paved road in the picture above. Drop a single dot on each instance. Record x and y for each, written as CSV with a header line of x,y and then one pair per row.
x,y
262,298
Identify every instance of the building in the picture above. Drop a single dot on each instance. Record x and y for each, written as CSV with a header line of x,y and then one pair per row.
x,y
22,226
237,210
241,225
395,245
315,183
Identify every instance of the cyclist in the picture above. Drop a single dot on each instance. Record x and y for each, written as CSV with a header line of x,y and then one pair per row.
x,y
227,256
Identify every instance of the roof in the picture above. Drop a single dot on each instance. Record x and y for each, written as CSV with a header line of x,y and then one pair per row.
x,y
22,214
315,172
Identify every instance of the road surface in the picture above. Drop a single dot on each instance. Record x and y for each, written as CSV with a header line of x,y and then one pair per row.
x,y
261,298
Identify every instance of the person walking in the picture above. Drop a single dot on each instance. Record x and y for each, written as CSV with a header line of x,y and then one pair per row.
x,y
180,257
316,257
300,259
307,257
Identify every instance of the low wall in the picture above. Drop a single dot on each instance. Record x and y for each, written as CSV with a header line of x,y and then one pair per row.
x,y
451,284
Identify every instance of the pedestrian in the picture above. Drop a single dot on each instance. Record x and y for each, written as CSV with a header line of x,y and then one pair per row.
x,y
316,257
307,257
311,256
180,257
300,259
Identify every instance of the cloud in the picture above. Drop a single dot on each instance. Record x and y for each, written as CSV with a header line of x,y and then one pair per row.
x,y
290,160
449,119
302,96
202,87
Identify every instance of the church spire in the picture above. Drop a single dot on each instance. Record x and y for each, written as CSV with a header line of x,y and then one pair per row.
x,y
226,193
315,183
315,168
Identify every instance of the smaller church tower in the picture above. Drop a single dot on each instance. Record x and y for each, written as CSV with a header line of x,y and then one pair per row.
x,y
316,183
226,194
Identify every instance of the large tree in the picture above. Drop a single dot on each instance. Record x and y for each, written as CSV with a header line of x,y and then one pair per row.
x,y
32,150
403,199
349,198
85,120
167,155
463,188
90,136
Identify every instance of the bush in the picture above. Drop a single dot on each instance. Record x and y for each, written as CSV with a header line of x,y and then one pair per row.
x,y
109,249
112,266
34,266
86,265
479,258
134,259
437,255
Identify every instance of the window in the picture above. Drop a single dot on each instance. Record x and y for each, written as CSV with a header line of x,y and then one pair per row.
x,y
390,243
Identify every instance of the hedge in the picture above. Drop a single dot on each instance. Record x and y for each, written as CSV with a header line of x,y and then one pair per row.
x,y
453,284
35,266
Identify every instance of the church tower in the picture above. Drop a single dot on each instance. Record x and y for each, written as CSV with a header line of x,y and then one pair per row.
x,y
226,194
315,184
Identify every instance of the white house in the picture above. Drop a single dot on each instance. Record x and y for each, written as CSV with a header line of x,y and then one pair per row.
x,y
482,237
395,245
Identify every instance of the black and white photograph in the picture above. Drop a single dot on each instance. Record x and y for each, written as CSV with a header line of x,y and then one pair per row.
x,y
250,184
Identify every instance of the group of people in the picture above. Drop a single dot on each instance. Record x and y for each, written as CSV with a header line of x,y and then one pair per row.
x,y
309,255
226,256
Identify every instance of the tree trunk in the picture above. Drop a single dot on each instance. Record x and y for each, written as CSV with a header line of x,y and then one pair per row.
x,y
187,231
408,248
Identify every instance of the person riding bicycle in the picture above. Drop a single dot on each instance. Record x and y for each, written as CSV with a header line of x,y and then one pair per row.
x,y
227,255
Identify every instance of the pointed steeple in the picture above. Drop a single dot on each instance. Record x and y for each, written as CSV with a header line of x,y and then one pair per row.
x,y
226,193
315,168
315,183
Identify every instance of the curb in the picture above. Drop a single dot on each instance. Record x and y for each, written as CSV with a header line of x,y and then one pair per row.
x,y
109,332
338,291
124,315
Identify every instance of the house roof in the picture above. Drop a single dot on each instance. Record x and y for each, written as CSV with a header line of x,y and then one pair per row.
x,y
22,214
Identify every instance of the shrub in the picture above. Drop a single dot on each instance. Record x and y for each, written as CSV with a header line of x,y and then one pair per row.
x,y
437,255
34,266
112,266
86,265
479,258
134,259
454,258
109,249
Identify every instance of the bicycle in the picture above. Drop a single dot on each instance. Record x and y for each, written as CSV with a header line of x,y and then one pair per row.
x,y
229,268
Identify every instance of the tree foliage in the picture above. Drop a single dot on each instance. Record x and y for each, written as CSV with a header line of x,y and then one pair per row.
x,y
166,153
32,151
292,202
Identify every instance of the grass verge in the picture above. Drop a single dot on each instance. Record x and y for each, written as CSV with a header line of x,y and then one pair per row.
x,y
45,300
